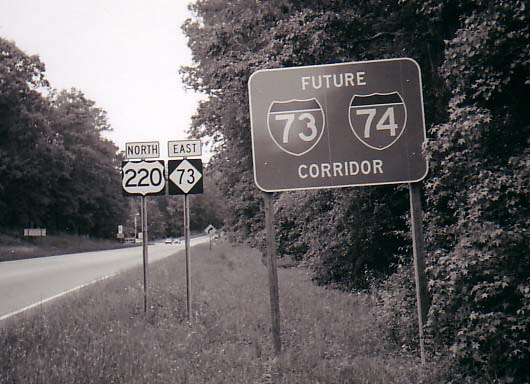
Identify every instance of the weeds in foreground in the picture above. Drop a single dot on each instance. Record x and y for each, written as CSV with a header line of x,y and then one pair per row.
x,y
101,335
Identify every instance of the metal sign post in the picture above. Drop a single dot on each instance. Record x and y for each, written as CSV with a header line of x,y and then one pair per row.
x,y
145,255
187,246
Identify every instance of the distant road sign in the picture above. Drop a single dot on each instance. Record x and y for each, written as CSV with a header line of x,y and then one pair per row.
x,y
210,229
142,150
337,125
185,176
184,148
35,232
145,177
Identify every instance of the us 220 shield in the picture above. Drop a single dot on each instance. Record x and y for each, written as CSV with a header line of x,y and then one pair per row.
x,y
296,126
378,120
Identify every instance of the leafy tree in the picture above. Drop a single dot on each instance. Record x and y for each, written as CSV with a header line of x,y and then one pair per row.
x,y
477,197
208,207
349,237
476,194
56,170
90,200
28,147
171,208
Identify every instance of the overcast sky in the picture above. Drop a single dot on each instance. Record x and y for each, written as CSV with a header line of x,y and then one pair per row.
x,y
123,54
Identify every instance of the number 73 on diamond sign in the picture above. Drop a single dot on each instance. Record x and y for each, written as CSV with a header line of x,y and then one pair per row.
x,y
185,177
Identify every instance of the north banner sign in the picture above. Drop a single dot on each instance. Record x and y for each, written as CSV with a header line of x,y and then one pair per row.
x,y
142,150
337,125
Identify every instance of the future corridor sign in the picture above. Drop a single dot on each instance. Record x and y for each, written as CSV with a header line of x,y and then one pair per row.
x,y
337,125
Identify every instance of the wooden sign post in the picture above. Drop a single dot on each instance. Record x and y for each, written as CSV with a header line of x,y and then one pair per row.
x,y
422,299
273,272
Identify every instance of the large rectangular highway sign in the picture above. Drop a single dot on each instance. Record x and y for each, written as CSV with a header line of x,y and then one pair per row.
x,y
337,125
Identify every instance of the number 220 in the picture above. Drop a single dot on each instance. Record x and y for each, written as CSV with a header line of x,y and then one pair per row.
x,y
146,178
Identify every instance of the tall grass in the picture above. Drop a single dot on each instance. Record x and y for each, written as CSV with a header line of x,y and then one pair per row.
x,y
101,335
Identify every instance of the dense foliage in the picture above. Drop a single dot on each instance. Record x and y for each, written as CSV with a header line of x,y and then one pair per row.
x,y
475,59
477,196
56,170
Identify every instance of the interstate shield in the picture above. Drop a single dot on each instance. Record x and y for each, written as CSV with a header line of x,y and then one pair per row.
x,y
378,120
296,126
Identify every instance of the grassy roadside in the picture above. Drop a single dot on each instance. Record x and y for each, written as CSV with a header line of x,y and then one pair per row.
x,y
16,248
101,335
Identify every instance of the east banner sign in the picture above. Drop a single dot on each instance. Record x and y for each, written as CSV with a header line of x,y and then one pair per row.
x,y
184,148
337,125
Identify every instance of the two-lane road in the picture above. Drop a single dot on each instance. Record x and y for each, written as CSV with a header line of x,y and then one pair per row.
x,y
26,283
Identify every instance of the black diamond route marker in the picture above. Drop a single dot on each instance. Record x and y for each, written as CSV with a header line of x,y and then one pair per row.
x,y
185,177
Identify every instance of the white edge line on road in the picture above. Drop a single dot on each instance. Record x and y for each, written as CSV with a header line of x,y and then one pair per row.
x,y
55,297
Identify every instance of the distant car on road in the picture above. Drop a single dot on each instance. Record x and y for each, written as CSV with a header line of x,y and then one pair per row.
x,y
176,240
168,241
